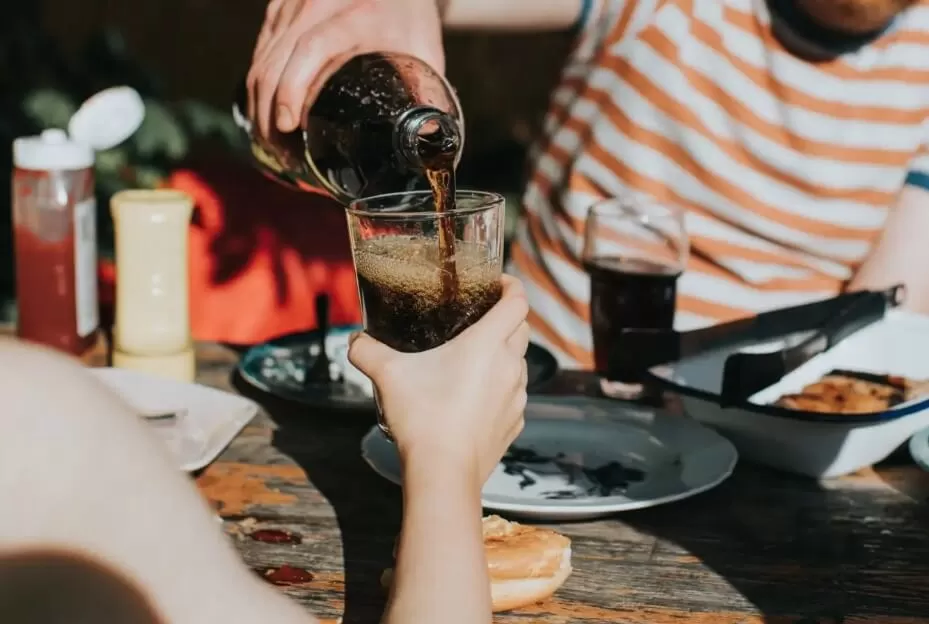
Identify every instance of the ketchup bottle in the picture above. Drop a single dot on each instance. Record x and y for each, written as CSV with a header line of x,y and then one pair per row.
x,y
55,216
55,241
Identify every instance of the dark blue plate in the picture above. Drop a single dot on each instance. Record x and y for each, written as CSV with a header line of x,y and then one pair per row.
x,y
277,367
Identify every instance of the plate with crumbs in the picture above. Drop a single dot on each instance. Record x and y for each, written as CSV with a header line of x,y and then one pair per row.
x,y
580,458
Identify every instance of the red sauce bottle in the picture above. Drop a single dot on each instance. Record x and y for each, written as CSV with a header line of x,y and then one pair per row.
x,y
55,242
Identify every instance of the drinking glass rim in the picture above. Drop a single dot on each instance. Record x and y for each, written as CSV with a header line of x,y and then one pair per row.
x,y
486,199
628,207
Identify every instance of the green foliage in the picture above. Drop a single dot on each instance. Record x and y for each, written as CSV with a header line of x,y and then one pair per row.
x,y
49,108
165,138
41,87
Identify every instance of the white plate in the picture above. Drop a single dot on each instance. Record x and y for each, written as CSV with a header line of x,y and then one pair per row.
x,y
209,419
676,456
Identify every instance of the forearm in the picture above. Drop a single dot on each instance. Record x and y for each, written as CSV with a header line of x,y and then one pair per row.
x,y
901,254
441,570
539,15
90,478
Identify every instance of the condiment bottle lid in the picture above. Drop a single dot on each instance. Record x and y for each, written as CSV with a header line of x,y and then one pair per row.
x,y
52,150
108,118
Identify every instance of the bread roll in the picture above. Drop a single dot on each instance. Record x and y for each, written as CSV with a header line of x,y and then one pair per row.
x,y
526,564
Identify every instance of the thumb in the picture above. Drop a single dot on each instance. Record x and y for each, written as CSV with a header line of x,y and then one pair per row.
x,y
506,315
367,354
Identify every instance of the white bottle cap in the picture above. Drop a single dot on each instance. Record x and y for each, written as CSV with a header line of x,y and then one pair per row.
x,y
108,118
104,121
52,150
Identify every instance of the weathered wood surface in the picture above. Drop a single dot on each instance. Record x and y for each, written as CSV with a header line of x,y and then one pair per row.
x,y
764,547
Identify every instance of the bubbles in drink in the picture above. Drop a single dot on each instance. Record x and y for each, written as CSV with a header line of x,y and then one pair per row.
x,y
403,283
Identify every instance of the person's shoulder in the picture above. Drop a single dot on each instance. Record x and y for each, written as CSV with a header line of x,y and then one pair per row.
x,y
905,44
612,21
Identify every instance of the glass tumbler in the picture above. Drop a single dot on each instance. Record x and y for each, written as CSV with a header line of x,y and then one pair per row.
x,y
424,276
634,251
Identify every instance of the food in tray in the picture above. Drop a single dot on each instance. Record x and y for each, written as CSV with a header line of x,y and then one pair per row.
x,y
851,392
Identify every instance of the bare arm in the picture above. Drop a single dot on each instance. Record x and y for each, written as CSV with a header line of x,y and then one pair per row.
x,y
451,428
441,571
902,253
539,15
100,508
299,38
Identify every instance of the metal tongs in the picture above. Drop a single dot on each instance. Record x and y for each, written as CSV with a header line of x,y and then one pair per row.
x,y
826,322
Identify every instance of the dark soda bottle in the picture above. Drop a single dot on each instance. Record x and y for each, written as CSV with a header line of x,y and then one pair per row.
x,y
376,126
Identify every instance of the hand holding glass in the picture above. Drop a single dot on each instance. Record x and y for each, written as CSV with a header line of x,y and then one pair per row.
x,y
417,290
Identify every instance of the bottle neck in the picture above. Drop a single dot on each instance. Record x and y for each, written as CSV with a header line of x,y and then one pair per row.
x,y
427,138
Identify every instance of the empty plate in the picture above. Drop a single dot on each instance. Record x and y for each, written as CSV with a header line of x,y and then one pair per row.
x,y
204,420
581,458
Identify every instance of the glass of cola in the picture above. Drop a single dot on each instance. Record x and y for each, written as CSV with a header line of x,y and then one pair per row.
x,y
634,251
424,276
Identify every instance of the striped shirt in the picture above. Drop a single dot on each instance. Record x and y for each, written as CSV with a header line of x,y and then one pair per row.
x,y
786,169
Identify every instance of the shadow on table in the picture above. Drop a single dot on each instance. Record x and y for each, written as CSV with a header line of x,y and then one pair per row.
x,y
901,474
800,551
367,508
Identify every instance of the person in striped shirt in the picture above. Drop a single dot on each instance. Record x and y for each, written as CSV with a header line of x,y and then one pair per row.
x,y
794,134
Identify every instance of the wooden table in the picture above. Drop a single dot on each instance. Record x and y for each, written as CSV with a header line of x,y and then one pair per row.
x,y
762,547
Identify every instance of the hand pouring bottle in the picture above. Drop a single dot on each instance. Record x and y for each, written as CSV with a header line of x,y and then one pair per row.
x,y
370,129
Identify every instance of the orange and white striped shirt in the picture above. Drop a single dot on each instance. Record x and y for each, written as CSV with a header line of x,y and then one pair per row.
x,y
786,169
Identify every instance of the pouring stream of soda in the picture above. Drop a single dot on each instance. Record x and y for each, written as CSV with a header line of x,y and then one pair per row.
x,y
438,151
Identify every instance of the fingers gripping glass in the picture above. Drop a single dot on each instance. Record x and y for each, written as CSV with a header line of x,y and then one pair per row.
x,y
424,277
